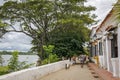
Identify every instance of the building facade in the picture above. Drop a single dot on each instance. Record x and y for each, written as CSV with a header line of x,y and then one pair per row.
x,y
105,44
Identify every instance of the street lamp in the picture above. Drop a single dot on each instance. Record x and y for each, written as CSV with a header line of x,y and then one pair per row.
x,y
110,35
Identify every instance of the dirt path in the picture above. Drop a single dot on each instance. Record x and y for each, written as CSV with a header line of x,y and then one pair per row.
x,y
74,73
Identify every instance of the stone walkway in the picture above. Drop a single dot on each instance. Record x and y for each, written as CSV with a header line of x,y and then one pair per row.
x,y
103,74
74,73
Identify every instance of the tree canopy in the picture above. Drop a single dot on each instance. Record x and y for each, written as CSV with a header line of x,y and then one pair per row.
x,y
39,18
3,26
69,42
116,10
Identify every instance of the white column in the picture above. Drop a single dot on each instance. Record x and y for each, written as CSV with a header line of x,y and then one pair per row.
x,y
119,47
100,56
107,55
104,54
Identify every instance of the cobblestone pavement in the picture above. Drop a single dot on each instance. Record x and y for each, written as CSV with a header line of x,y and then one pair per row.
x,y
74,73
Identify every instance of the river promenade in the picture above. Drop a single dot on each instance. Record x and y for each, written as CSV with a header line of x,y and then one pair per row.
x,y
73,73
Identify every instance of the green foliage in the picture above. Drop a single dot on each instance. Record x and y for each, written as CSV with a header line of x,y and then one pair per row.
x,y
48,49
20,53
51,57
4,70
5,52
71,32
116,10
23,65
69,41
15,65
37,18
86,51
74,13
1,60
2,25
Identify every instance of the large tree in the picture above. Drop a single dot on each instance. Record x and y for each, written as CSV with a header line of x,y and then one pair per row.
x,y
37,18
71,33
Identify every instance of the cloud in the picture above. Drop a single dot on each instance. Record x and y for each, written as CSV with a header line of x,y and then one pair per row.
x,y
103,7
2,2
15,41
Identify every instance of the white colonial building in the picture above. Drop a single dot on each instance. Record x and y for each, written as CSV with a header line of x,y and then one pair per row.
x,y
105,44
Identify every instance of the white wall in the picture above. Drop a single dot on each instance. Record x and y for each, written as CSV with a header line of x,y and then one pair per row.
x,y
109,56
108,53
36,72
101,61
116,61
115,67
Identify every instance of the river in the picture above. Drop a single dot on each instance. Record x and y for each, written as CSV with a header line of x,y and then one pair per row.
x,y
28,58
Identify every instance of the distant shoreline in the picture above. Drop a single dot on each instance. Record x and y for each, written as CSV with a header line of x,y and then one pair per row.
x,y
20,53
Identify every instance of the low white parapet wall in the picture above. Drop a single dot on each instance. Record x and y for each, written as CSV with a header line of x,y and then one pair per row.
x,y
36,72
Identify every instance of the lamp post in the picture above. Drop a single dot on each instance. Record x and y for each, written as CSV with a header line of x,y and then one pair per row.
x,y
110,35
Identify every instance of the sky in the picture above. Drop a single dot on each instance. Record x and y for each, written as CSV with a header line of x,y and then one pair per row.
x,y
103,7
21,42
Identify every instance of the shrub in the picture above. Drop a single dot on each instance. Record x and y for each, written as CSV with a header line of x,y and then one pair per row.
x,y
15,65
4,70
51,57
1,60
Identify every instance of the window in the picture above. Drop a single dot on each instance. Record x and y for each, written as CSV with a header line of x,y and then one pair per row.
x,y
96,50
100,48
114,47
93,50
